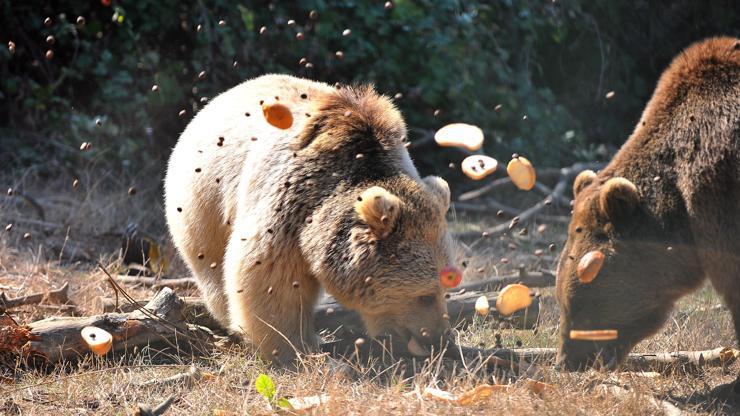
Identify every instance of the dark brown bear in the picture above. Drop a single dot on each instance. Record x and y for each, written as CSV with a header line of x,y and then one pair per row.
x,y
665,212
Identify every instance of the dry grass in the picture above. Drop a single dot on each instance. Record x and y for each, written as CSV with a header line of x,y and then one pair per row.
x,y
90,219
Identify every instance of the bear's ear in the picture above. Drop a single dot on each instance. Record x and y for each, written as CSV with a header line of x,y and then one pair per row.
x,y
583,180
618,198
441,191
379,209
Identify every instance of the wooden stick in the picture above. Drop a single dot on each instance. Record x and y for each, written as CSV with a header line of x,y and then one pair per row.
x,y
568,173
156,282
657,361
58,339
59,296
143,410
194,310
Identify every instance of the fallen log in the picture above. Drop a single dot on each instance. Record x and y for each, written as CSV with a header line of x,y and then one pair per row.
x,y
193,310
682,361
59,296
332,316
545,278
157,324
157,282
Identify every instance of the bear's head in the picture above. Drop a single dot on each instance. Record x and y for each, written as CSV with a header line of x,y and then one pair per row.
x,y
635,286
401,256
379,244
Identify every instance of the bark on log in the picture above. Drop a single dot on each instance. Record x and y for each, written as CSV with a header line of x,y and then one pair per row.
x,y
59,296
157,282
334,318
58,339
193,310
682,361
331,316
545,278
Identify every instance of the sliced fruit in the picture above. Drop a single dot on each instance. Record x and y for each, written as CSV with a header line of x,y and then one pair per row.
x,y
278,114
99,340
589,266
512,298
522,173
595,335
478,167
460,135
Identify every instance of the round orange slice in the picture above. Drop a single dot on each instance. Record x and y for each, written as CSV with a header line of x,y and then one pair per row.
x,y
589,266
512,298
278,114
522,173
596,335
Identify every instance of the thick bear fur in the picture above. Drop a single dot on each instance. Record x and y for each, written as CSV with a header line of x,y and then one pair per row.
x,y
265,217
665,211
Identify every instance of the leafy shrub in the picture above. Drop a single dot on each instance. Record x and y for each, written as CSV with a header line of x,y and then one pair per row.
x,y
543,60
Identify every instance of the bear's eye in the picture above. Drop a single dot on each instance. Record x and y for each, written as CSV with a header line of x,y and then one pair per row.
x,y
427,300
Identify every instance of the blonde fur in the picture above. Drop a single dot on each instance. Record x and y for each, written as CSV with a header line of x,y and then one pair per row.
x,y
263,217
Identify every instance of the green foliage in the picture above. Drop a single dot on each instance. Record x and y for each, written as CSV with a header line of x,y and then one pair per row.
x,y
264,386
549,61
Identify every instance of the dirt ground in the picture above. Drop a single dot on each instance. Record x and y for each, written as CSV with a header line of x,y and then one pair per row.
x,y
82,226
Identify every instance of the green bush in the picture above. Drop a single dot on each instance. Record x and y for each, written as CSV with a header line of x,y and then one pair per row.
x,y
549,61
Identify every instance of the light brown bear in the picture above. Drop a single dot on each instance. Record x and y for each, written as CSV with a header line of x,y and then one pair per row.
x,y
665,212
265,217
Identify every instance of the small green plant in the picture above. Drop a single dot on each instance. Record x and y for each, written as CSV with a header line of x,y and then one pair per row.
x,y
266,388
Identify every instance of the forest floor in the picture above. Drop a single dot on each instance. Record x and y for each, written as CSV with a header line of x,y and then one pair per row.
x,y
81,227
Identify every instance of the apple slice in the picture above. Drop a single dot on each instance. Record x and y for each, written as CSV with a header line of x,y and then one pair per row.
x,y
99,340
460,135
596,335
477,167
512,298
277,114
481,306
589,266
522,173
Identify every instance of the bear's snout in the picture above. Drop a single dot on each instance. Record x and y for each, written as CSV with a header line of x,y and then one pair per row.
x,y
580,355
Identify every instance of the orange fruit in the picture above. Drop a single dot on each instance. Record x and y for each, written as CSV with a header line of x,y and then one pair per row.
x,y
278,115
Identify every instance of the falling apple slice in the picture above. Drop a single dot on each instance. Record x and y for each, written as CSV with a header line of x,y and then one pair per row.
x,y
278,114
597,335
589,266
99,340
522,173
460,135
450,277
481,306
512,298
478,167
